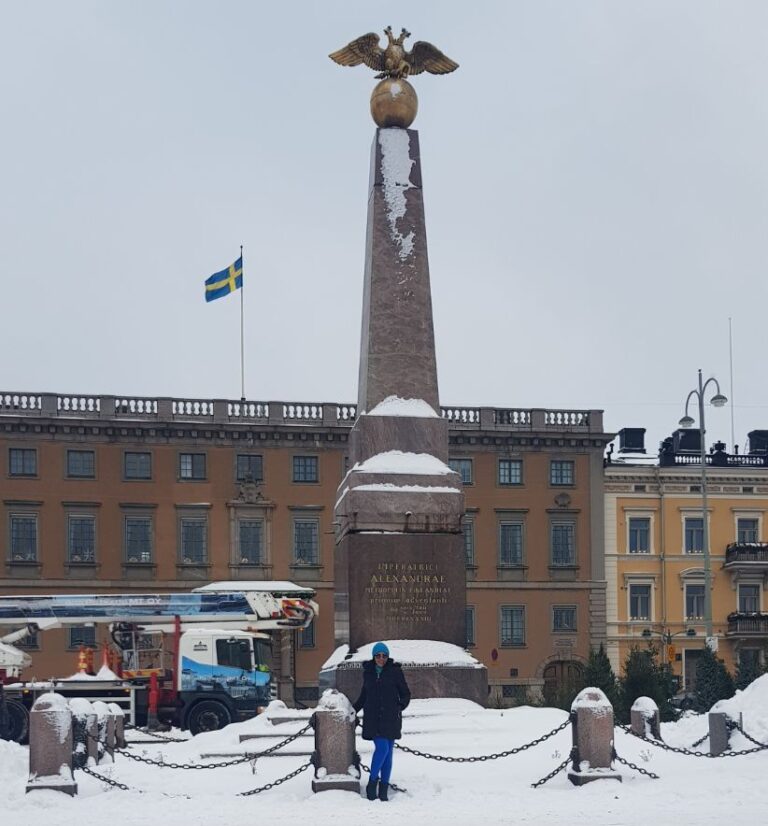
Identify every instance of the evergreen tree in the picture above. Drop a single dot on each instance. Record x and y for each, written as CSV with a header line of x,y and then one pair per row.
x,y
599,674
644,677
713,682
747,670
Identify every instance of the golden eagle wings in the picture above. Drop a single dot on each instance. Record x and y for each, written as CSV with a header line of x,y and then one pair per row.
x,y
393,60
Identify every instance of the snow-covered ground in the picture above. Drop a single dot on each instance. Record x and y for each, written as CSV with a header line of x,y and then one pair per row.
x,y
694,790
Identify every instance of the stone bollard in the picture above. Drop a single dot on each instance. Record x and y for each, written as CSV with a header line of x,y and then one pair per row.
x,y
718,732
592,722
50,745
84,732
644,718
337,764
102,720
119,716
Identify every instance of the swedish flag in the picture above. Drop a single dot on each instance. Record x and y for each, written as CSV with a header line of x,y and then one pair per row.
x,y
225,282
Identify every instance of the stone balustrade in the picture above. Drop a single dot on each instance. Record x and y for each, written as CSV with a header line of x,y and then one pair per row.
x,y
224,411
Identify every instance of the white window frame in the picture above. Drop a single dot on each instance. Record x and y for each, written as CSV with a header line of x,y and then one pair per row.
x,y
640,513
651,599
693,513
747,514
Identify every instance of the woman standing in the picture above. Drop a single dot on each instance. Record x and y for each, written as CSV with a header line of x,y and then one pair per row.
x,y
383,697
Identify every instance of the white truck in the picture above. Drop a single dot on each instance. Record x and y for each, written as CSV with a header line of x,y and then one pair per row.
x,y
196,660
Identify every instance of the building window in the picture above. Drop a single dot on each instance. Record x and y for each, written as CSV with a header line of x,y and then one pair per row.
x,y
640,602
192,465
561,472
746,531
194,541
138,539
563,617
81,539
81,464
307,636
251,539
137,465
749,599
464,468
468,529
563,544
694,601
305,542
510,543
82,635
250,468
23,538
22,461
749,660
469,624
29,643
305,469
694,535
510,471
639,535
512,625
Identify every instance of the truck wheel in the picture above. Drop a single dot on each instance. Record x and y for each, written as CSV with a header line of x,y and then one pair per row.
x,y
17,722
208,716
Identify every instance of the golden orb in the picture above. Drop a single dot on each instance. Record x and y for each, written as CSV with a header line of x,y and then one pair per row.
x,y
394,103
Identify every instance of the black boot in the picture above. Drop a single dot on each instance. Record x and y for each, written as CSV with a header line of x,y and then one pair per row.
x,y
383,789
370,789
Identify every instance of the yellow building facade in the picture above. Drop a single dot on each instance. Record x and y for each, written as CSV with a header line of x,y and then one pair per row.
x,y
655,565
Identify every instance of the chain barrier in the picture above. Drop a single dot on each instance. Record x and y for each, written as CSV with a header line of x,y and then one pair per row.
x,y
636,768
554,772
688,752
732,724
246,758
274,783
108,780
391,785
484,757
699,741
122,786
160,736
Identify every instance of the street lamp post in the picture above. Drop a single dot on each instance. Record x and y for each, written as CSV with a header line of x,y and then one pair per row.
x,y
718,400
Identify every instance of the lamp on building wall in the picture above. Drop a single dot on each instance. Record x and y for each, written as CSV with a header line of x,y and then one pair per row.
x,y
718,400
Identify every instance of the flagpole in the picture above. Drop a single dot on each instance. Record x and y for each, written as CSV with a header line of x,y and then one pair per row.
x,y
242,337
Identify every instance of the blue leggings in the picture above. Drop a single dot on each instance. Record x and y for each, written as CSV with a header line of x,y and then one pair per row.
x,y
382,759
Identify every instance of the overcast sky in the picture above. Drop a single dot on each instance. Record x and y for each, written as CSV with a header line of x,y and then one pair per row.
x,y
595,178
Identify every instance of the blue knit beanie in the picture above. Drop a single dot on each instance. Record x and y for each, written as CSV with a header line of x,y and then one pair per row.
x,y
380,648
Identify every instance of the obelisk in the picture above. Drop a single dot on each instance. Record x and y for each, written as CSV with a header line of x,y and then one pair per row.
x,y
399,560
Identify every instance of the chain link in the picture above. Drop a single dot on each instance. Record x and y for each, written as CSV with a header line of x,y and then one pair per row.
x,y
554,772
699,741
688,752
732,724
108,780
160,736
647,773
391,785
274,783
246,758
484,757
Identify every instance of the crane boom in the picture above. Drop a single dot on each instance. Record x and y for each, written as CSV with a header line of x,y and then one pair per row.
x,y
265,605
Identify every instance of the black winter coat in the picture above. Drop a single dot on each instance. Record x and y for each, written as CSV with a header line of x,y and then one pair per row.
x,y
382,699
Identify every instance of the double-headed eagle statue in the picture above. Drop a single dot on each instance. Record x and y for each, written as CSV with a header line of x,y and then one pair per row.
x,y
394,61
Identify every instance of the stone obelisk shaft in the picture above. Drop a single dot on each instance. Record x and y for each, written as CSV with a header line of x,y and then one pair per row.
x,y
397,353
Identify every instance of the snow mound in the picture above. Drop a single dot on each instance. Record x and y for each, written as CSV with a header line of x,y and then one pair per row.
x,y
752,703
395,406
396,461
408,652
